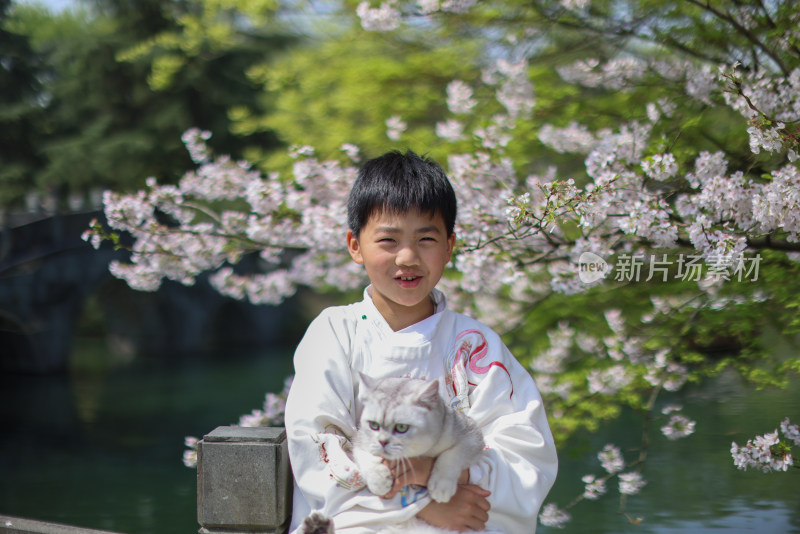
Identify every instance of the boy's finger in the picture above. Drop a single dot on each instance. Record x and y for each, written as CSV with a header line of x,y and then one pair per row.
x,y
477,489
476,524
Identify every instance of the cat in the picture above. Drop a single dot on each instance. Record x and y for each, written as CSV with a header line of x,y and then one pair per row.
x,y
405,418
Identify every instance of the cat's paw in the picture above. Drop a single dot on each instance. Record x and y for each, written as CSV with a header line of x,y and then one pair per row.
x,y
316,523
379,480
442,489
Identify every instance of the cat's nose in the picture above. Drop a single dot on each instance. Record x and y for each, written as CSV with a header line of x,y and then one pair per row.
x,y
383,443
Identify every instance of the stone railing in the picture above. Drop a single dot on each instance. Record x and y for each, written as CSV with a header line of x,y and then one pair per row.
x,y
244,486
18,525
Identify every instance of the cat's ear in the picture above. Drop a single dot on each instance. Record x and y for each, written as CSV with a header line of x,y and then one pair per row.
x,y
369,383
430,395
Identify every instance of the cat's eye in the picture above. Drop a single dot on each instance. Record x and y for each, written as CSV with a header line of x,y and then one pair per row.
x,y
373,425
401,428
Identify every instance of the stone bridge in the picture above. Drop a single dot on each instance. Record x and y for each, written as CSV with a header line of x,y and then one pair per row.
x,y
48,275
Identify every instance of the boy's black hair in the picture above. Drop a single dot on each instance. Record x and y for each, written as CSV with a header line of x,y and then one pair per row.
x,y
400,183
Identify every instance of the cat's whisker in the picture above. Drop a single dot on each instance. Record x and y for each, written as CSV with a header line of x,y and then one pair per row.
x,y
405,463
410,467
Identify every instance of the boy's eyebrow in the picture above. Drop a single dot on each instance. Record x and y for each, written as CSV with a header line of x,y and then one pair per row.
x,y
428,229
395,230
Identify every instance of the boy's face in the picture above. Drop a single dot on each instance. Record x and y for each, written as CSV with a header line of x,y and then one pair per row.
x,y
404,256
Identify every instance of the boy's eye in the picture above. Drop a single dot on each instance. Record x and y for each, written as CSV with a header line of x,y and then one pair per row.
x,y
401,428
373,425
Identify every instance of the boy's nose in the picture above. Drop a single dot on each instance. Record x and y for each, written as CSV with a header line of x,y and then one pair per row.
x,y
407,256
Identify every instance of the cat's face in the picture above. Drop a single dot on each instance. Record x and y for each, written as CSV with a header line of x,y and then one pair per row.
x,y
402,417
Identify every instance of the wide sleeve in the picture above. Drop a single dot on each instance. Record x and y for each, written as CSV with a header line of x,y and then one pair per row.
x,y
320,423
519,464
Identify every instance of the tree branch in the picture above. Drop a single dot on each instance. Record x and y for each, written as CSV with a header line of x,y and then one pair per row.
x,y
744,31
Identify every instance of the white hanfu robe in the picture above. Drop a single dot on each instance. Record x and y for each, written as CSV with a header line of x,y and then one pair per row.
x,y
476,373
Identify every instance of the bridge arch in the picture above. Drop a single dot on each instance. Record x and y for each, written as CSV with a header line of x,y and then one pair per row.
x,y
15,341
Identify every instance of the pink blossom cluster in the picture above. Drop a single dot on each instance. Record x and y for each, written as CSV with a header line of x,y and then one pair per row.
x,y
273,410
620,359
395,126
506,221
768,452
459,97
513,87
769,102
552,516
190,454
594,487
381,19
721,214
612,461
270,415
624,72
295,225
679,426
631,483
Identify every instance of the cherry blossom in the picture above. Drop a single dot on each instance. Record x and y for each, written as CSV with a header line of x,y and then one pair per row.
x,y
768,452
395,126
790,431
552,516
190,455
609,381
631,483
459,97
595,487
514,88
679,426
575,4
574,138
381,19
611,459
450,130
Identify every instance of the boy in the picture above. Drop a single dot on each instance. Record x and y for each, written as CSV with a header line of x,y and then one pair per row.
x,y
401,215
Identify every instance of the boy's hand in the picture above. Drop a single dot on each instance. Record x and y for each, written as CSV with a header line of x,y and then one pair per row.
x,y
467,510
409,471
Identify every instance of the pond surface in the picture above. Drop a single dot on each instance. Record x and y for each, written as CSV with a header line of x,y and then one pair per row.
x,y
692,484
102,446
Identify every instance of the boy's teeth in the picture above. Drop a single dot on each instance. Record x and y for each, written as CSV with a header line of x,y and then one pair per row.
x,y
407,278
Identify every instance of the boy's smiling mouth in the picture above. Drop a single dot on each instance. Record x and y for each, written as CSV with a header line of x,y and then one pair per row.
x,y
408,281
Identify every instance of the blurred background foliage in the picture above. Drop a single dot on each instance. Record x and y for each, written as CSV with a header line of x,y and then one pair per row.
x,y
97,96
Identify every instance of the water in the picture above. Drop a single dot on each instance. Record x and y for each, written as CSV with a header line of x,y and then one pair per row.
x,y
693,486
102,448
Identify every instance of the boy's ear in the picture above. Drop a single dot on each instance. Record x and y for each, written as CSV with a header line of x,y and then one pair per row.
x,y
354,248
451,243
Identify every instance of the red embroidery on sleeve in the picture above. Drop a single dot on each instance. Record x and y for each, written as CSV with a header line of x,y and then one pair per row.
x,y
471,357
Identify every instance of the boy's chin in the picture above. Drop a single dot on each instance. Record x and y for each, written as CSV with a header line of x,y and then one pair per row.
x,y
404,297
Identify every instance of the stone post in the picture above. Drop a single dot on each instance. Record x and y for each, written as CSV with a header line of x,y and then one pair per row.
x,y
244,483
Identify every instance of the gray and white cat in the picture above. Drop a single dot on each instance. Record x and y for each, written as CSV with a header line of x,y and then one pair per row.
x,y
405,418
